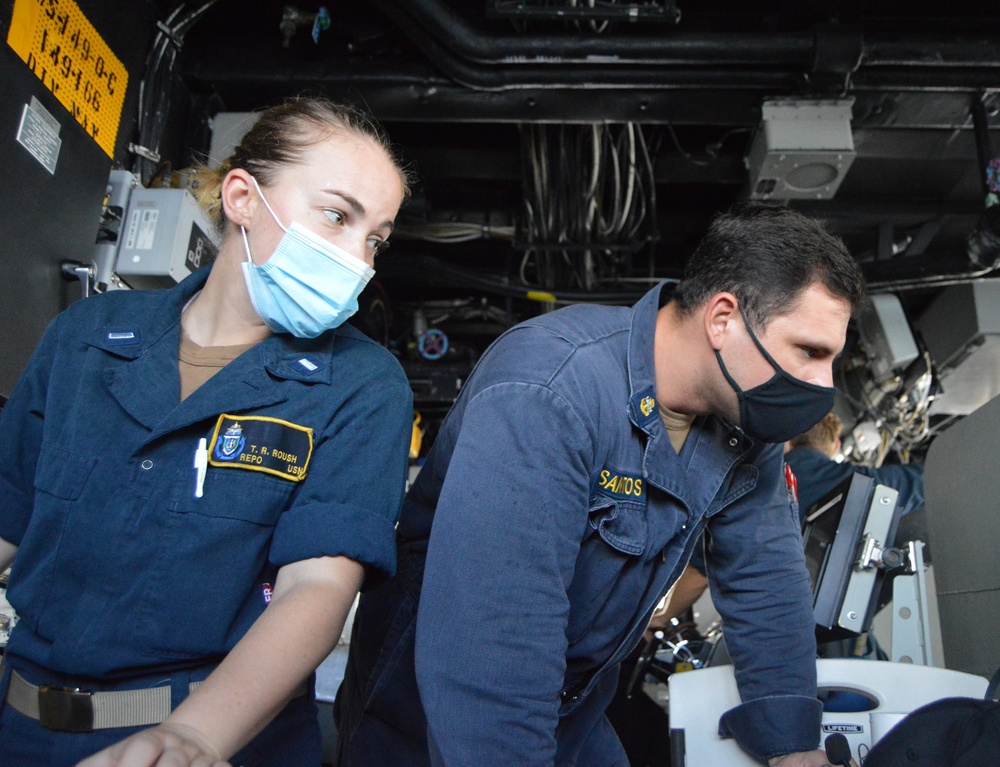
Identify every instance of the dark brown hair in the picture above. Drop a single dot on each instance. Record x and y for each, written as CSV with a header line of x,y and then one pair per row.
x,y
766,255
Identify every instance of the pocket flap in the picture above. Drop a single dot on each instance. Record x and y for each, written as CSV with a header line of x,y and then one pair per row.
x,y
61,472
621,524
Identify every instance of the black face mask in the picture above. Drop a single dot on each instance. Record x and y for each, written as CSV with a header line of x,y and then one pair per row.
x,y
783,406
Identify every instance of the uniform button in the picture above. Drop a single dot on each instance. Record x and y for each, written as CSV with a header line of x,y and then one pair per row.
x,y
733,442
684,527
147,464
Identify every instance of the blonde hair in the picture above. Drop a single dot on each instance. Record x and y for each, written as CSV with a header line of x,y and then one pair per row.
x,y
280,137
823,436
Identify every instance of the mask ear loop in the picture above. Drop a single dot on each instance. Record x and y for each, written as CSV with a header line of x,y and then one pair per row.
x,y
243,231
246,245
740,394
725,371
778,370
757,343
267,205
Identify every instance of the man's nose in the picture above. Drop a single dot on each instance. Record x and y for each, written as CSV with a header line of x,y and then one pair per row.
x,y
822,377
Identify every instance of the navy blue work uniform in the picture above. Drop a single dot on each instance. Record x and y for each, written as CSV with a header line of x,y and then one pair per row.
x,y
125,575
561,514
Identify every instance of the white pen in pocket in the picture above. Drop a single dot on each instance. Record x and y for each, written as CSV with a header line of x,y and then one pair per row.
x,y
200,466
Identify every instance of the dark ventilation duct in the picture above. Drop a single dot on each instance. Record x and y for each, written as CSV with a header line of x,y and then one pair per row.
x,y
984,241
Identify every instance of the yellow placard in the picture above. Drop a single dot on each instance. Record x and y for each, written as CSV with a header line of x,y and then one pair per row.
x,y
66,53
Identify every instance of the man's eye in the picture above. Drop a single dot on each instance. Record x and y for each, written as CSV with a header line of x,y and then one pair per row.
x,y
378,246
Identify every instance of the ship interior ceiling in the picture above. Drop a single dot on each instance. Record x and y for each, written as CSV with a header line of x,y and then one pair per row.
x,y
570,151
580,152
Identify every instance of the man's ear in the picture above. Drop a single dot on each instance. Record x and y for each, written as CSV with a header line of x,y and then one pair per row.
x,y
239,197
721,311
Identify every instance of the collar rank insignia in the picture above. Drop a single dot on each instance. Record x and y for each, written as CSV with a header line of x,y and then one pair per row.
x,y
643,407
647,405
121,336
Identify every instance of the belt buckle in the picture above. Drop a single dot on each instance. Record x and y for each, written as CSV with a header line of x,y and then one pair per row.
x,y
65,709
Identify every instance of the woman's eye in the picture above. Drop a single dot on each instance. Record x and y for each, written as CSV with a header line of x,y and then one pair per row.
x,y
378,246
335,216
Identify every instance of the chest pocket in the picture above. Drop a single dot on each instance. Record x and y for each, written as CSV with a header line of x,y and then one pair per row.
x,y
234,494
62,473
621,524
742,480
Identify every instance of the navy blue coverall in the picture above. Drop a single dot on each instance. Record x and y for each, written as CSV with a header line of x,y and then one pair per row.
x,y
561,514
125,578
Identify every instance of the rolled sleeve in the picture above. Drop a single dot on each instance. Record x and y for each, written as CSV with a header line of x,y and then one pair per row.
x,y
350,499
21,426
318,530
767,727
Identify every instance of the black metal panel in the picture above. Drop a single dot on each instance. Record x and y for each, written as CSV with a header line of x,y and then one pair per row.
x,y
962,488
47,217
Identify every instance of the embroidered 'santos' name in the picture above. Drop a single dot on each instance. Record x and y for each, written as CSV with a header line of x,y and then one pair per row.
x,y
620,485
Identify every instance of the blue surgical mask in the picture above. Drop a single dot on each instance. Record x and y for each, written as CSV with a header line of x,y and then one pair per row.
x,y
308,285
783,406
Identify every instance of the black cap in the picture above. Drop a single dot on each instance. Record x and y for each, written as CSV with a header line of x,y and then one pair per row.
x,y
951,732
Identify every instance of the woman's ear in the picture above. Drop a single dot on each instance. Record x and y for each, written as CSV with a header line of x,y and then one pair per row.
x,y
239,197
721,310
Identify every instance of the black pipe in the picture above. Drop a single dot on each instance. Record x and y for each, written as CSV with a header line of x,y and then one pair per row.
x,y
984,147
935,52
780,63
983,243
219,71
417,267
929,270
554,71
679,48
450,30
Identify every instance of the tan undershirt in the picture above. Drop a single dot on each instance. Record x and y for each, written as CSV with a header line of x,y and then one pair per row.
x,y
199,363
678,426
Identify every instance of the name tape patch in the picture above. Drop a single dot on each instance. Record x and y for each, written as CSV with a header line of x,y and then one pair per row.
x,y
259,443
616,484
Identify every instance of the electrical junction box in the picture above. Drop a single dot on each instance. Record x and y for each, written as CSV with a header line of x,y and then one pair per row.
x,y
886,335
121,184
166,236
802,149
961,329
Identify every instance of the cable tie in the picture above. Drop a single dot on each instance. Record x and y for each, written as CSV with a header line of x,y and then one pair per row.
x,y
170,34
142,151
